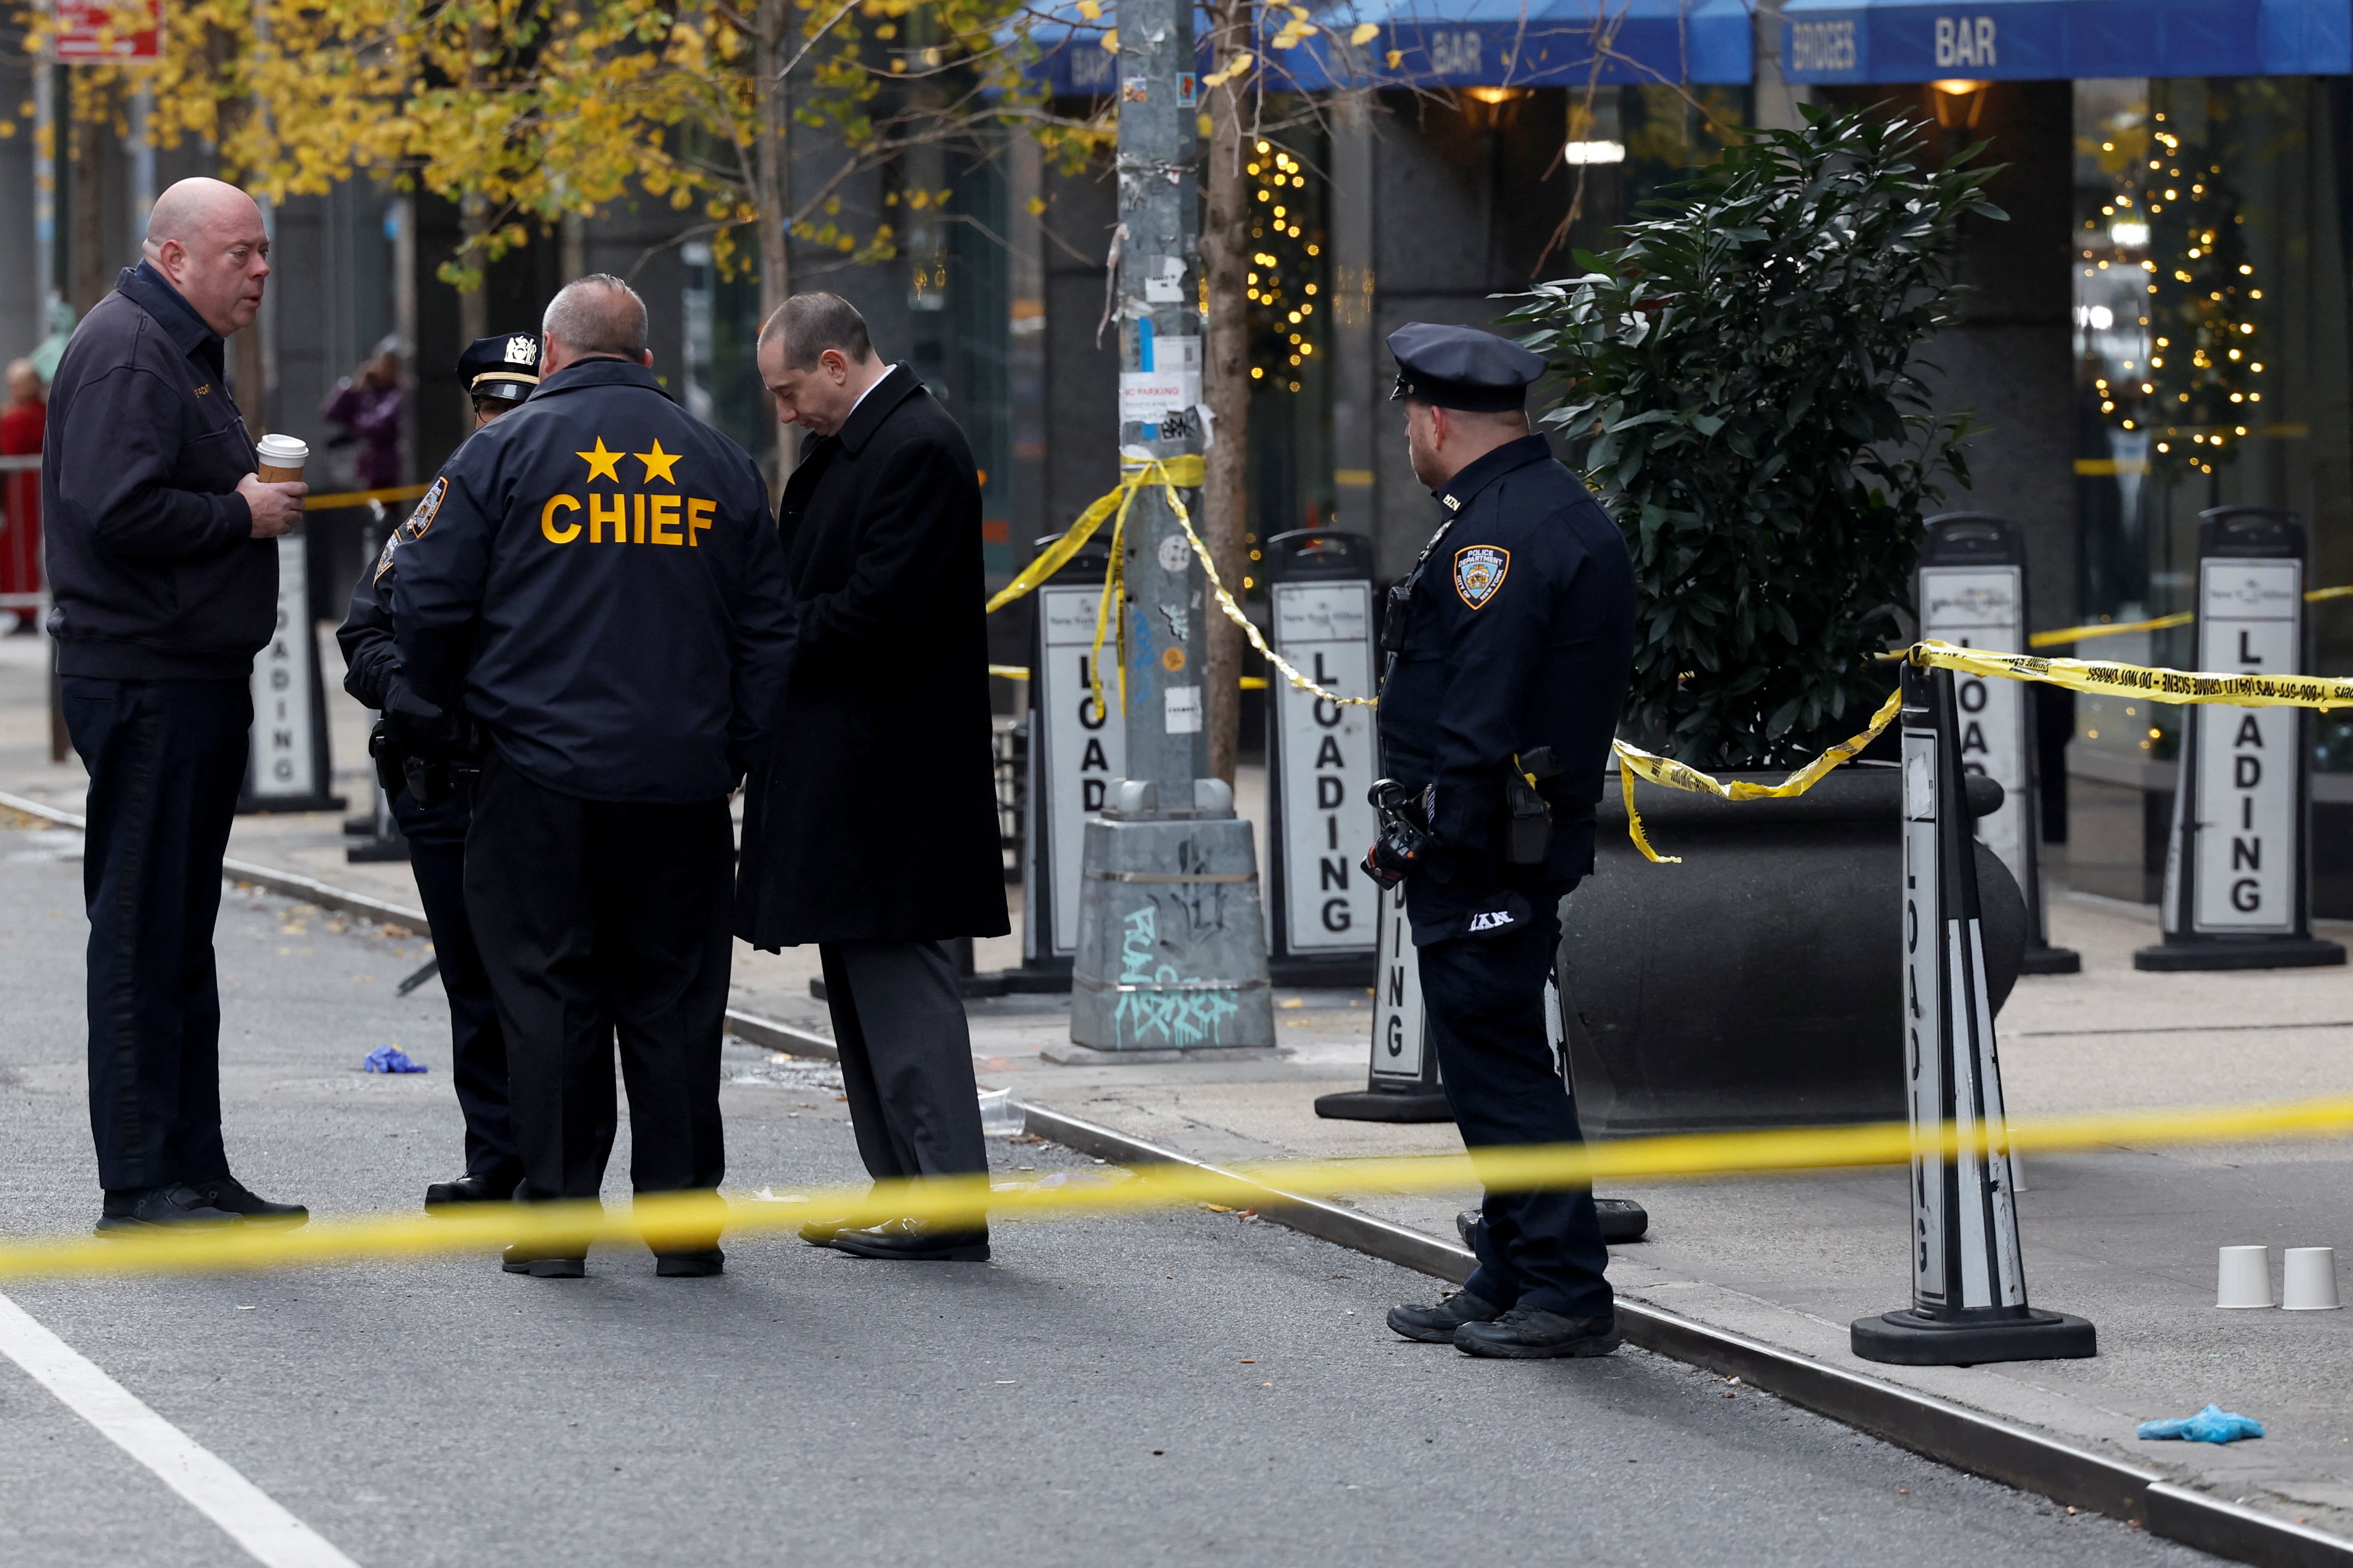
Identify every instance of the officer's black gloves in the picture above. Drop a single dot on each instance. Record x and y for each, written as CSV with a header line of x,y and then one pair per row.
x,y
417,745
1405,846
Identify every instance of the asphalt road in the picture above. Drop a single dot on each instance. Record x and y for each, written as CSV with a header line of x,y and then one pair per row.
x,y
1179,1389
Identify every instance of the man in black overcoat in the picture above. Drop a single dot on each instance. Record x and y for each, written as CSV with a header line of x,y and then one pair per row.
x,y
873,831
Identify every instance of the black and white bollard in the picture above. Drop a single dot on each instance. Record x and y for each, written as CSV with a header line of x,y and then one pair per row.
x,y
1972,593
1968,1282
1076,752
2237,877
287,768
1402,1085
1321,761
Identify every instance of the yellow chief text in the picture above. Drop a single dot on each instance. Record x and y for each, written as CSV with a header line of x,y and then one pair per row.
x,y
627,518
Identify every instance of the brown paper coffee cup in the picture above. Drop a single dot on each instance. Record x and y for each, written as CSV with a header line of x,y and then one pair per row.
x,y
280,459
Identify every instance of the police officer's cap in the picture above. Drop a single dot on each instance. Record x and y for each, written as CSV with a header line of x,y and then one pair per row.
x,y
504,365
1461,367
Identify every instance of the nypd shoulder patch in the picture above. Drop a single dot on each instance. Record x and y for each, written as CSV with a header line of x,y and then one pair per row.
x,y
422,518
1479,572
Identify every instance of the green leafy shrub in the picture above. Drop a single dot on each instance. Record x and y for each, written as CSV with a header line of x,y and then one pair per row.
x,y
1741,378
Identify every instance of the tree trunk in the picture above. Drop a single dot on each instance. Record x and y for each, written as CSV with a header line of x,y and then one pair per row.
x,y
248,369
474,304
1225,371
773,48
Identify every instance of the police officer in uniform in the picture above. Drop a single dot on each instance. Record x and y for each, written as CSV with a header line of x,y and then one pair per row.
x,y
594,585
498,373
1509,650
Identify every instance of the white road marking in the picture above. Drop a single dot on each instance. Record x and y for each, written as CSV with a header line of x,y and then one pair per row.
x,y
265,1531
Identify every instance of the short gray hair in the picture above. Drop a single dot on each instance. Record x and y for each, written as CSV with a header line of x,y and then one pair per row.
x,y
813,322
599,314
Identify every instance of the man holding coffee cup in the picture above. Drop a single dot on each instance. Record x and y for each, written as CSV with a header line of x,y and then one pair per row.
x,y
162,522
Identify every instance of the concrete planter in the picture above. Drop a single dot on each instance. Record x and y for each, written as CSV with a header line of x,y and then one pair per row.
x,y
1759,982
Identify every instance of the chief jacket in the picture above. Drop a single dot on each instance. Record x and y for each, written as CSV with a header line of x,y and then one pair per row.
x,y
594,578
1519,635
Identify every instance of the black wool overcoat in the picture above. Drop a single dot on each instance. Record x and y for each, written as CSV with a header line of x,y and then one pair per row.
x,y
875,816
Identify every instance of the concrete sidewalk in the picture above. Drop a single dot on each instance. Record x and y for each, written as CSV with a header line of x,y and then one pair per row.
x,y
2125,1237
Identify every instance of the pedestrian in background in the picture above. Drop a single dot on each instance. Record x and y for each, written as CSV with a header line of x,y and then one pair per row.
x,y
873,831
164,575
498,373
367,405
21,426
594,583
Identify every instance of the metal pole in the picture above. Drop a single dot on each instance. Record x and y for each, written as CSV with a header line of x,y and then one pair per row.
x,y
1171,938
1160,391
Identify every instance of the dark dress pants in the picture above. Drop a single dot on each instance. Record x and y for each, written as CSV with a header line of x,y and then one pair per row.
x,y
478,1050
166,760
598,918
1486,998
906,1056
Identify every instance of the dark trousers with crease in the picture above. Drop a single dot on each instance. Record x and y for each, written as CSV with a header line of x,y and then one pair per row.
x,y
478,1049
1486,998
599,921
166,760
906,1056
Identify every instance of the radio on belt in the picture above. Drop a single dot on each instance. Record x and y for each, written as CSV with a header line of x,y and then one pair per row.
x,y
2237,875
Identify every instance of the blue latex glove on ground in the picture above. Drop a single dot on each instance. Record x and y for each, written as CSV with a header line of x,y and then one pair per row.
x,y
2211,1424
392,1058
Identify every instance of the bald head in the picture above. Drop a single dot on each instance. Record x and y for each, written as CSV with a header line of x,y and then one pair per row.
x,y
593,316
207,239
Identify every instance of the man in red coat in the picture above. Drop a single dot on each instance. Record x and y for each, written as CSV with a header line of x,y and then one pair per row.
x,y
21,427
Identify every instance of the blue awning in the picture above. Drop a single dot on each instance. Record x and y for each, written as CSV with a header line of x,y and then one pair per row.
x,y
2030,40
1468,43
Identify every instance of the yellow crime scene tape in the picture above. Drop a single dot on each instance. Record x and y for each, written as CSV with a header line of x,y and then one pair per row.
x,y
361,497
1173,476
2066,635
691,1221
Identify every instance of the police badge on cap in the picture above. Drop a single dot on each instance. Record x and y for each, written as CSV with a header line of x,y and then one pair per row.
x,y
504,365
1462,367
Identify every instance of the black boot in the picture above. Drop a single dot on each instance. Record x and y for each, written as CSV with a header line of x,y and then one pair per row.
x,y
1530,1334
133,1209
912,1241
1435,1325
470,1188
228,1193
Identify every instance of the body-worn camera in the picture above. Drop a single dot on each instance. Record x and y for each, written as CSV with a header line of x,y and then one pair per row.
x,y
1404,841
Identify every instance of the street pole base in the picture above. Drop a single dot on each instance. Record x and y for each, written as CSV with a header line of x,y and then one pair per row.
x,y
2261,952
1384,1105
1908,1338
381,851
2050,961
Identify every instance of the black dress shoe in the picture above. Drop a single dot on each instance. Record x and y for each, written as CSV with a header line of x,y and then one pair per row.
x,y
1435,1325
228,1193
821,1232
539,1268
690,1265
468,1188
912,1241
159,1208
1530,1334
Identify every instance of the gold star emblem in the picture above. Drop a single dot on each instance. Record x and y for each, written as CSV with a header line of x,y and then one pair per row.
x,y
658,464
602,465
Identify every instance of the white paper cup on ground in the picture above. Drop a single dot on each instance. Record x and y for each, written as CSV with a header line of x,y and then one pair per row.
x,y
2310,1281
2244,1277
280,459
